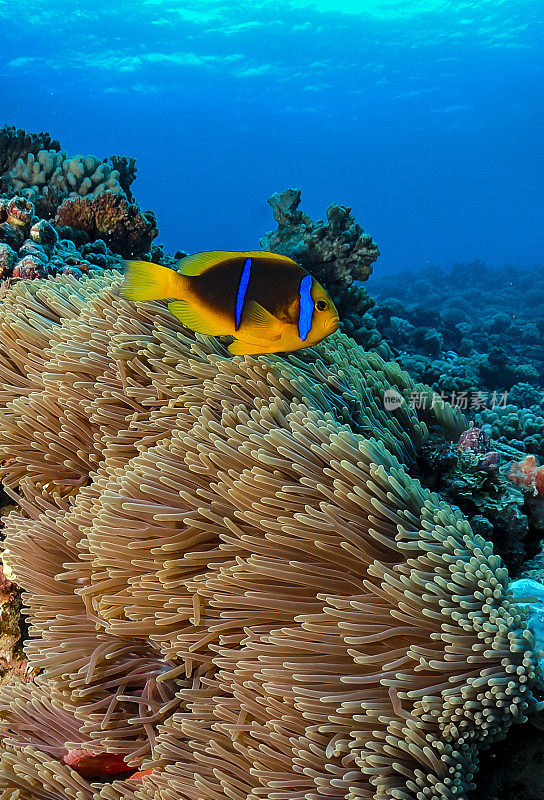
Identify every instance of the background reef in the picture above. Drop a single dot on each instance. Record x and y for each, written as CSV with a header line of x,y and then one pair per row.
x,y
101,400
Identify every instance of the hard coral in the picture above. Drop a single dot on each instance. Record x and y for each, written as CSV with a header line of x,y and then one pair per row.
x,y
16,143
353,304
49,177
125,166
475,441
492,350
110,217
19,214
30,267
519,426
8,258
229,568
44,253
474,448
337,251
37,180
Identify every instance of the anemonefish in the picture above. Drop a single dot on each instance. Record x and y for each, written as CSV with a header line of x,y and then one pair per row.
x,y
268,302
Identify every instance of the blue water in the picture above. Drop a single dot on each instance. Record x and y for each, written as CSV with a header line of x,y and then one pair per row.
x,y
426,117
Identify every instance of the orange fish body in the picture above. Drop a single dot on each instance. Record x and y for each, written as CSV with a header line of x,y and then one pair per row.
x,y
268,302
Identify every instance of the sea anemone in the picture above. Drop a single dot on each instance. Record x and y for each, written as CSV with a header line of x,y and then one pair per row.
x,y
231,577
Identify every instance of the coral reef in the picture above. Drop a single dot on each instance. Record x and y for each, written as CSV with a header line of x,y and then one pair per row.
x,y
231,577
470,474
112,218
353,304
61,215
126,168
87,198
449,330
516,424
70,176
16,143
338,253
33,248
529,476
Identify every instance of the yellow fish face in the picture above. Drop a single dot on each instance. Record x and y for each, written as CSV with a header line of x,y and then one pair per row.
x,y
324,315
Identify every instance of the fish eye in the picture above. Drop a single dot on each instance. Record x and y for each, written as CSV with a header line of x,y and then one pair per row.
x,y
321,305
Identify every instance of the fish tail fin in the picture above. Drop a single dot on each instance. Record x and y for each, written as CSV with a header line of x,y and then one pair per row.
x,y
147,281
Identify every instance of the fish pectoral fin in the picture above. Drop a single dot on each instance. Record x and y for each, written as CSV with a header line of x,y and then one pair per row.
x,y
259,323
196,320
292,313
241,348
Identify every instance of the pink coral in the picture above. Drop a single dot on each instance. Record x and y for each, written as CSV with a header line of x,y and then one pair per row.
x,y
475,440
30,267
528,474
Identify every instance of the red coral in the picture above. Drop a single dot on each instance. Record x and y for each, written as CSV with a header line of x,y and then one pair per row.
x,y
110,217
528,474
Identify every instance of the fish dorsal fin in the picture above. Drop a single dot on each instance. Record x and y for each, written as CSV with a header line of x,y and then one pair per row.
x,y
268,256
259,323
198,263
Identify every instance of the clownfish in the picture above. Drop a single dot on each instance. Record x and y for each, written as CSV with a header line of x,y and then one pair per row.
x,y
268,302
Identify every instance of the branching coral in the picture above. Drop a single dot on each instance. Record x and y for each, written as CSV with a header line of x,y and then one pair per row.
x,y
230,575
71,176
16,143
337,250
337,253
126,167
